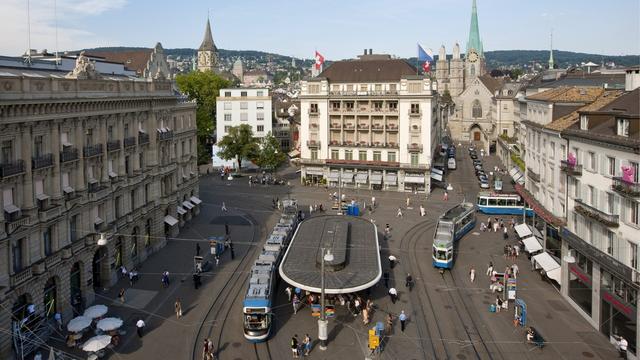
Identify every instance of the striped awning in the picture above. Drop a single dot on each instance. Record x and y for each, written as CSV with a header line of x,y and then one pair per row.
x,y
391,178
414,179
334,176
170,220
195,200
315,171
347,177
187,204
376,179
362,177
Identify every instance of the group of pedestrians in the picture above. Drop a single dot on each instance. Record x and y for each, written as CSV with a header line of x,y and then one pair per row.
x,y
207,349
301,348
511,252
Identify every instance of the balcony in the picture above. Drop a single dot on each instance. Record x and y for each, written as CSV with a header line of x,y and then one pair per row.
x,y
68,154
335,109
53,260
625,188
92,150
392,144
591,212
313,112
113,145
363,126
143,138
42,161
377,127
349,126
414,147
363,143
570,169
21,277
378,144
392,127
12,226
50,213
165,135
415,128
11,168
313,143
94,187
335,126
415,113
533,175
334,142
129,141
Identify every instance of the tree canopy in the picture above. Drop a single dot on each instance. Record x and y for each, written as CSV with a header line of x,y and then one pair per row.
x,y
270,155
239,144
203,87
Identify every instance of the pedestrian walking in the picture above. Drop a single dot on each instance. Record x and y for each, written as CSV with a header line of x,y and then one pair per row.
x,y
123,271
294,346
409,282
310,209
289,292
205,349
385,277
373,202
422,211
389,324
295,303
211,350
307,344
121,295
408,202
504,232
58,318
178,308
399,214
197,249
472,274
224,207
140,327
217,260
515,270
490,268
516,248
403,320
392,261
131,278
393,294
233,254
446,196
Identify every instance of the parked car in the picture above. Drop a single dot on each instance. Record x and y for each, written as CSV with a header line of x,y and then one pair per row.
x,y
477,162
474,156
451,164
483,178
484,185
497,185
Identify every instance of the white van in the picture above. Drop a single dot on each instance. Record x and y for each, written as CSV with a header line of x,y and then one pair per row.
x,y
451,164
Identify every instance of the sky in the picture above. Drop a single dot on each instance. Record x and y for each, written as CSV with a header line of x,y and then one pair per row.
x,y
338,29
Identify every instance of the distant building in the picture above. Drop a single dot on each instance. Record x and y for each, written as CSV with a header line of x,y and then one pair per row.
x,y
238,70
147,63
207,52
257,78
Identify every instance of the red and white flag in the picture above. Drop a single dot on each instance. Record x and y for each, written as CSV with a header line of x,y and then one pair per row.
x,y
319,60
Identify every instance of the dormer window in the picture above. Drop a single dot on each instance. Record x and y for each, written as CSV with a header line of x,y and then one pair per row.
x,y
584,122
623,127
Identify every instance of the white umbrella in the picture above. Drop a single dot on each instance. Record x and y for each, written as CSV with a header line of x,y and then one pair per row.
x,y
108,324
96,311
78,323
96,343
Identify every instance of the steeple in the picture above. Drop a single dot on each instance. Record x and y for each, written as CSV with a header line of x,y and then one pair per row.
x,y
207,42
551,62
474,32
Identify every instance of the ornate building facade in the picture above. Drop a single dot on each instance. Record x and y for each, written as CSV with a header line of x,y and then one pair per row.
x,y
207,52
96,172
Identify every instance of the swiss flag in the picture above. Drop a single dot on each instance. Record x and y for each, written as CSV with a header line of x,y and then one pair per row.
x,y
426,66
319,60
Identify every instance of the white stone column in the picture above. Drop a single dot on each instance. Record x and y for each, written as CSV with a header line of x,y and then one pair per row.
x,y
78,142
102,136
25,155
595,294
56,192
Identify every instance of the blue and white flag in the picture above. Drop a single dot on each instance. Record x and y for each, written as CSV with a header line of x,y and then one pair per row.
x,y
426,56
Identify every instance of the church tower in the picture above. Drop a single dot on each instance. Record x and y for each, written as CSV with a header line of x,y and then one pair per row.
x,y
456,73
442,70
207,53
551,62
474,62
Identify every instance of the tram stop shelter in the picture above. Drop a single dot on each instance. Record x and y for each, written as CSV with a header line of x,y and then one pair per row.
x,y
354,244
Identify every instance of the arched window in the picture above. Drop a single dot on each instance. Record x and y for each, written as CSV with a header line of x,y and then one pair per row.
x,y
476,109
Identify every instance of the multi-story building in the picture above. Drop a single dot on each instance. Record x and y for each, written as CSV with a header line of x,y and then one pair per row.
x,y
96,172
250,106
369,123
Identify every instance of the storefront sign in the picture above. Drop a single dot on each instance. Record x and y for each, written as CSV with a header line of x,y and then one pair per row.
x,y
582,276
625,309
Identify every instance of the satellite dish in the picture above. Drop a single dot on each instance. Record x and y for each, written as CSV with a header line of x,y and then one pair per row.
x,y
102,241
569,258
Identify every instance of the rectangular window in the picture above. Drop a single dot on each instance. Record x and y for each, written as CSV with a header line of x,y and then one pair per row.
x,y
592,195
584,122
314,154
226,129
623,127
610,237
592,161
73,228
362,155
259,93
118,206
38,148
244,105
335,154
414,87
391,156
7,151
415,108
377,156
227,105
244,116
633,211
633,255
260,128
227,94
348,155
260,116
415,159
89,136
243,93
259,104
313,108
46,242
314,89
576,189
611,166
16,255
227,117
552,149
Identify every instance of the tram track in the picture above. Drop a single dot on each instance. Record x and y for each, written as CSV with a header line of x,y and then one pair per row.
x,y
213,322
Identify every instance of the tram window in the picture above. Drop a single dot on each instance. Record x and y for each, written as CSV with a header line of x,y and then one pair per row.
x,y
511,202
483,201
493,202
502,202
256,321
442,255
449,254
434,253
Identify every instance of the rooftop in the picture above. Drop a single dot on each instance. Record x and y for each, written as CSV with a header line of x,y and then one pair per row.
x,y
133,60
567,94
353,242
602,100
364,70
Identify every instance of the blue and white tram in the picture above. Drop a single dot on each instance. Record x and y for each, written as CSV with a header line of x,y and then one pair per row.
x,y
501,204
452,225
256,307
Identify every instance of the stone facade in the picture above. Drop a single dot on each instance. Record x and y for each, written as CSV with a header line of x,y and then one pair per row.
x,y
81,158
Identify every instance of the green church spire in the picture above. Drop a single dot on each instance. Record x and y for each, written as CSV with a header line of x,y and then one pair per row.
x,y
474,32
551,62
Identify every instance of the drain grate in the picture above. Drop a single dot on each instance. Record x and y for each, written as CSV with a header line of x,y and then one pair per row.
x,y
587,354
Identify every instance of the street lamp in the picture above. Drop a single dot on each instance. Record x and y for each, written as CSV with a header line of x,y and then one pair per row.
x,y
322,323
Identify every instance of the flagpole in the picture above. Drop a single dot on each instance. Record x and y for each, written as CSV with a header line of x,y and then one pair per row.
x,y
417,59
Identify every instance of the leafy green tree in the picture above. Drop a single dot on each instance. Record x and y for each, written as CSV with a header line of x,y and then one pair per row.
x,y
238,144
270,155
203,87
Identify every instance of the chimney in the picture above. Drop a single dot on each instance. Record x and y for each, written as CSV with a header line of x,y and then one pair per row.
x,y
365,52
370,51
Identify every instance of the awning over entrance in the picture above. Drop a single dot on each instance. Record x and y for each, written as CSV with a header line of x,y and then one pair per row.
x,y
546,262
414,179
315,171
517,175
537,207
376,179
181,210
334,176
347,177
555,275
195,200
391,178
170,220
531,244
294,154
187,204
523,230
361,178
436,176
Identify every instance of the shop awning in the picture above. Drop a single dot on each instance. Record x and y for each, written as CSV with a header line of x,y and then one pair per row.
x,y
334,176
170,220
555,275
181,210
361,178
546,262
523,230
347,177
315,171
187,204
391,178
376,179
98,220
531,244
435,176
11,208
414,179
195,200
42,197
517,175
538,208
294,154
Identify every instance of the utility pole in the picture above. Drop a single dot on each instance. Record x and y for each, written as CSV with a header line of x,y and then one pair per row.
x,y
322,322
